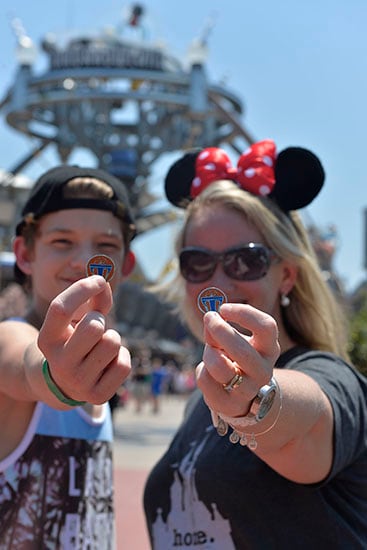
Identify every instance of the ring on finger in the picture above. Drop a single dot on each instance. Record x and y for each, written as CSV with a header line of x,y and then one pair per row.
x,y
233,383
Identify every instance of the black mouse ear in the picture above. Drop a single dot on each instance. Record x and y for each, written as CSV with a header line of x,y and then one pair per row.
x,y
299,177
177,183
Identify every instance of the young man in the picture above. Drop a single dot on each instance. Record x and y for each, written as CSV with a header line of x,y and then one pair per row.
x,y
61,363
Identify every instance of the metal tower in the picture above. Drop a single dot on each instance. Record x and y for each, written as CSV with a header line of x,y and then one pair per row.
x,y
125,100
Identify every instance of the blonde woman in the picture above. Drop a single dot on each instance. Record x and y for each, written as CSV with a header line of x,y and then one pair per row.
x,y
273,451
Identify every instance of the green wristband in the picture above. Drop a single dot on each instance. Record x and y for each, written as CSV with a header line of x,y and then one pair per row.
x,y
55,390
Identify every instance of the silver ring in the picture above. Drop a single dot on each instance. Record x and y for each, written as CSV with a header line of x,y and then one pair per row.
x,y
233,383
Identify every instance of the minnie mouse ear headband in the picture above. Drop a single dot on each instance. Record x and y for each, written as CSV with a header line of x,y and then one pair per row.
x,y
293,178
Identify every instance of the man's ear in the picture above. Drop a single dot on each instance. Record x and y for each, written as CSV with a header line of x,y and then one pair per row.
x,y
22,255
129,263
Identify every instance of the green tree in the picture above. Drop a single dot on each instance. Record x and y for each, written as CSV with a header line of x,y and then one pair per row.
x,y
358,333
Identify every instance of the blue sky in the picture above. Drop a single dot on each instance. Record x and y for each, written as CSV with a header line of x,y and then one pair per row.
x,y
300,69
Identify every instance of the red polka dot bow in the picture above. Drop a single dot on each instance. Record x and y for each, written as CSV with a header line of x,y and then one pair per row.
x,y
254,171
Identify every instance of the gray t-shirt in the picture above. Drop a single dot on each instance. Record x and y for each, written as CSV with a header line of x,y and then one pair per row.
x,y
207,493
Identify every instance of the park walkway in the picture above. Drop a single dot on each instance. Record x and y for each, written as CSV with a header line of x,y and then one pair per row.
x,y
140,439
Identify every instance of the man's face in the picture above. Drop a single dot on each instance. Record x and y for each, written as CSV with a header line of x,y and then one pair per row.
x,y
65,241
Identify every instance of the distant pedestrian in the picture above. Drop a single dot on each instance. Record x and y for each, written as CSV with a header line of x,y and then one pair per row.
x,y
158,378
140,383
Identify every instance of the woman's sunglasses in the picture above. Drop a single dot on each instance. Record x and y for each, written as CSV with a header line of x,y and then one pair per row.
x,y
243,263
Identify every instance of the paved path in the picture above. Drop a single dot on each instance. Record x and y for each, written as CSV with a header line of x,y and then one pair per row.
x,y
140,439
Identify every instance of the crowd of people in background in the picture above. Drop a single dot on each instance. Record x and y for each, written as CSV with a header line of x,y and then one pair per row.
x,y
13,301
154,375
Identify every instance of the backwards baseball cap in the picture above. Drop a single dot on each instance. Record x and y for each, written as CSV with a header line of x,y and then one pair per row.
x,y
48,196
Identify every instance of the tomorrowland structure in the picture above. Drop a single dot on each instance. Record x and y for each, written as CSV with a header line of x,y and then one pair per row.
x,y
124,99
128,102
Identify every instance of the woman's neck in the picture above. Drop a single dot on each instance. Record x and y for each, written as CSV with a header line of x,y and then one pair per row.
x,y
285,341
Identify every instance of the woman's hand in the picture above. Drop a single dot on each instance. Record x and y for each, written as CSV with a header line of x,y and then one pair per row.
x,y
229,352
296,440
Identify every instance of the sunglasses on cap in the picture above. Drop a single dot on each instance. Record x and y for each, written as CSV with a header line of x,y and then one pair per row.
x,y
243,263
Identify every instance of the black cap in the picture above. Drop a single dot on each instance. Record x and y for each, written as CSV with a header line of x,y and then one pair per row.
x,y
47,196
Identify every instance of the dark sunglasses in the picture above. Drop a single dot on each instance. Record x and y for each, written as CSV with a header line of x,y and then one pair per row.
x,y
243,263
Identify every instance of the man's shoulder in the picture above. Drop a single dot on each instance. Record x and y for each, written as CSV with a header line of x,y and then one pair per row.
x,y
16,324
15,332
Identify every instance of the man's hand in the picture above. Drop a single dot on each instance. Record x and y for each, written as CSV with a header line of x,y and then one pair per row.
x,y
87,361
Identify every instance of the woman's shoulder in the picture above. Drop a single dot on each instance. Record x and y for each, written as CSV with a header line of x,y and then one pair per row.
x,y
301,355
323,365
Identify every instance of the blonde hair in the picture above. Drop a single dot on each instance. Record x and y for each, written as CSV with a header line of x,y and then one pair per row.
x,y
313,319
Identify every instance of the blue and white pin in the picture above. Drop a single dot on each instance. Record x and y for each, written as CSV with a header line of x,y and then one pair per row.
x,y
101,265
210,299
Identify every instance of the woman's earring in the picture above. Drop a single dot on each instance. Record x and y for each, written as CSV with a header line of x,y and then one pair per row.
x,y
284,300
